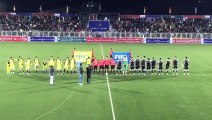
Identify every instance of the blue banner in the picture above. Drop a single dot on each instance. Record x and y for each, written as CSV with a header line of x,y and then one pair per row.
x,y
157,40
99,26
120,55
71,39
42,39
207,41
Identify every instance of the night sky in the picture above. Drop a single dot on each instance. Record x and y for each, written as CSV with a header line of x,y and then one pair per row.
x,y
118,6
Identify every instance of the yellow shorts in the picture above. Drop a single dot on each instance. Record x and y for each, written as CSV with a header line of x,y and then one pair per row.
x,y
44,67
59,68
8,70
27,68
12,67
21,67
66,67
73,67
36,66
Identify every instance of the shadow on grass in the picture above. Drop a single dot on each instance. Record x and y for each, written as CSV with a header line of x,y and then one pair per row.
x,y
73,80
121,78
72,89
45,79
114,79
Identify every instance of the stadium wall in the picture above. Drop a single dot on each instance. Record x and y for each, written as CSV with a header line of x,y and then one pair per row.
x,y
186,41
71,39
42,39
13,39
114,40
106,40
158,41
207,41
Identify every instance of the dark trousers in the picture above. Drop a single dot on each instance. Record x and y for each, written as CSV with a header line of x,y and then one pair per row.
x,y
88,78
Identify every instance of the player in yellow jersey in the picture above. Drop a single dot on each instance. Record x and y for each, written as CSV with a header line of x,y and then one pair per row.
x,y
73,65
8,67
66,64
12,65
21,64
88,61
51,61
36,64
59,66
28,64
45,65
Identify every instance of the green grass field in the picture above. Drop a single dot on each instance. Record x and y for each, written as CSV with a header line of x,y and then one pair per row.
x,y
164,97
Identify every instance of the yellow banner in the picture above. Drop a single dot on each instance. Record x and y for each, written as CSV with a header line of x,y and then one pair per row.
x,y
82,56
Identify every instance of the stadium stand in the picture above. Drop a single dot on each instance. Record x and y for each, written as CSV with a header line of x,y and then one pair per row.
x,y
160,25
156,24
40,23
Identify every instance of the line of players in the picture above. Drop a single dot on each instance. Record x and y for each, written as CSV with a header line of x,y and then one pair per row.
x,y
27,65
149,66
139,66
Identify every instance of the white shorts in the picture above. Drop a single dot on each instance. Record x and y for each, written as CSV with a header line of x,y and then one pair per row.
x,y
51,82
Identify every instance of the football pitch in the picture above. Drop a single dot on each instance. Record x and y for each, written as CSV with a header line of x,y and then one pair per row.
x,y
154,97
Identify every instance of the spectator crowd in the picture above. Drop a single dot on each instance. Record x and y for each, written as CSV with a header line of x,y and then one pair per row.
x,y
39,23
161,25
73,24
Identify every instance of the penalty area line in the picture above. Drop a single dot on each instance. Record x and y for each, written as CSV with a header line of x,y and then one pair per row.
x,y
109,91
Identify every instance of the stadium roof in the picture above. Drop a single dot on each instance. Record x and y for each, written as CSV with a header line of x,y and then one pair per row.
x,y
120,6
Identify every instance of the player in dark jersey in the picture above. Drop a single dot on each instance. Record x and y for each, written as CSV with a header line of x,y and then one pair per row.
x,y
186,66
143,65
148,66
132,66
119,66
153,63
168,63
137,65
130,54
160,66
175,66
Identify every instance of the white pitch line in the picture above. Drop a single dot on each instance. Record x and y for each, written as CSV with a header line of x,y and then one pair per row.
x,y
102,51
57,107
109,91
